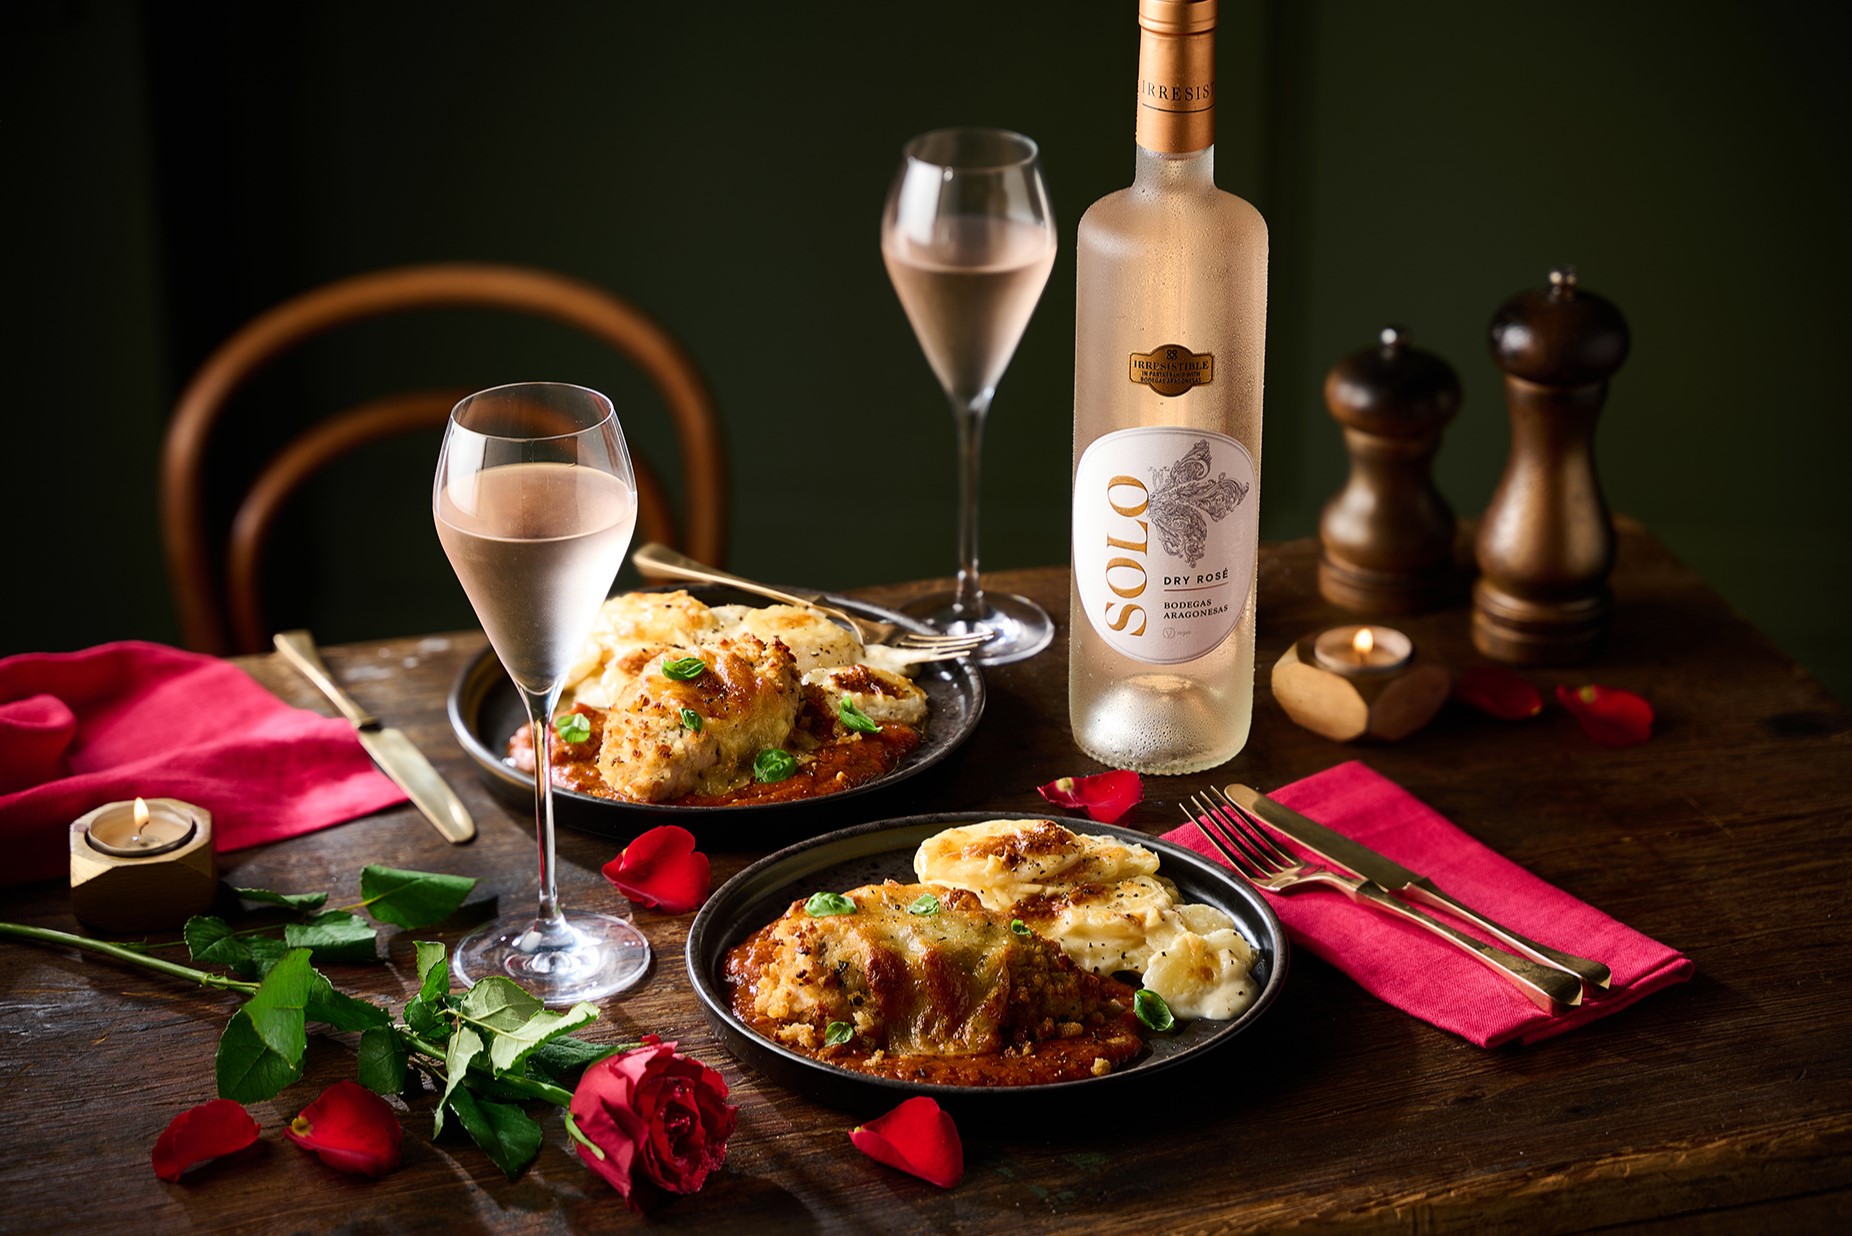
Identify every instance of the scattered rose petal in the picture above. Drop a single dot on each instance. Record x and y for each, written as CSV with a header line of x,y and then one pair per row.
x,y
661,868
1496,691
916,1137
351,1128
652,1122
1103,796
201,1134
1612,717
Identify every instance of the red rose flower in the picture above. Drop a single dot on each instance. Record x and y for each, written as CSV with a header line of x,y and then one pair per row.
x,y
351,1128
661,868
652,1121
1103,796
1612,717
916,1137
1496,691
201,1134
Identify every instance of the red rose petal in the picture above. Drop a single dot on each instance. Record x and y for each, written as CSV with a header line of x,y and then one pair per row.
x,y
351,1128
1103,796
1612,717
1496,691
917,1137
201,1134
661,868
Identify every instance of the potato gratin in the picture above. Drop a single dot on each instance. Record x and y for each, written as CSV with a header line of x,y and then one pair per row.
x,y
674,701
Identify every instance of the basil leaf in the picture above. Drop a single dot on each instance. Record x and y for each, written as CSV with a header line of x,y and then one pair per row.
x,y
855,718
773,764
262,1047
382,1061
290,901
1020,928
335,936
572,727
412,899
684,669
822,905
1151,1009
837,1033
508,1135
691,720
925,903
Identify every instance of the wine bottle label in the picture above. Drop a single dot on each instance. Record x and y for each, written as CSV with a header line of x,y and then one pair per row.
x,y
1172,369
1165,535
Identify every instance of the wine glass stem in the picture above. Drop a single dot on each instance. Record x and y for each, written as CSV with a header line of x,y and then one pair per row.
x,y
540,718
968,601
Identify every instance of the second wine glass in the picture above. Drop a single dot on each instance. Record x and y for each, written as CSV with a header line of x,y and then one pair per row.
x,y
968,238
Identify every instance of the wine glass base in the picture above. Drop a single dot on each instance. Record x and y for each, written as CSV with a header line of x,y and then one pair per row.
x,y
1022,627
578,957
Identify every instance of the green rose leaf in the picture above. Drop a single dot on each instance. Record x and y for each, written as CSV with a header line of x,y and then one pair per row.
x,y
508,1135
773,764
382,1061
1151,1009
412,899
335,935
340,1010
465,1046
289,901
684,669
266,951
691,720
426,1019
822,905
512,1047
212,942
837,1033
261,1049
500,1004
925,903
564,1059
433,974
572,727
855,718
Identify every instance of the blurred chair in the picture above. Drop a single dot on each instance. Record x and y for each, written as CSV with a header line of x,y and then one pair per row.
x,y
217,581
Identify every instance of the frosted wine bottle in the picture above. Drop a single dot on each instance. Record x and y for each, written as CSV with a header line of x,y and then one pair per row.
x,y
1169,340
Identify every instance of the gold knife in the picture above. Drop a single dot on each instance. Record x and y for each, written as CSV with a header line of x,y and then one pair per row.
x,y
1355,856
390,749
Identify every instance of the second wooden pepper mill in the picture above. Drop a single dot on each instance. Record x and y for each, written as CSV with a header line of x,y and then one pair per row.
x,y
1547,542
1388,534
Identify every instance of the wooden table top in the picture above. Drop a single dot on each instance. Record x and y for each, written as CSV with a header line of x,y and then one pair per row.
x,y
1720,1104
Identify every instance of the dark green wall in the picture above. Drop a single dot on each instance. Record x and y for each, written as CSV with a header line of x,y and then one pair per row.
x,y
177,168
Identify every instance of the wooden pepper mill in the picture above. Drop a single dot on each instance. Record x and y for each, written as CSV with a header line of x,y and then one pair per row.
x,y
1388,534
1547,543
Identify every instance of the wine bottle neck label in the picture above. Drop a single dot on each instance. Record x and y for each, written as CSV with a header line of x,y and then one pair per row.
x,y
1176,83
1166,530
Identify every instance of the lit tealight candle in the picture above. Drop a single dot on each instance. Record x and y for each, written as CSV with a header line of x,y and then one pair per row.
x,y
137,830
1362,651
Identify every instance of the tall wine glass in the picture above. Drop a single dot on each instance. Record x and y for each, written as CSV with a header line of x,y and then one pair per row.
x,y
535,503
968,238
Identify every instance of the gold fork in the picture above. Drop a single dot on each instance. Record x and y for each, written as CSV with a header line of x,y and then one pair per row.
x,y
1259,860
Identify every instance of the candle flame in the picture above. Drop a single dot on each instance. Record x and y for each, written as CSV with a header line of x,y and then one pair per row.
x,y
1363,641
141,815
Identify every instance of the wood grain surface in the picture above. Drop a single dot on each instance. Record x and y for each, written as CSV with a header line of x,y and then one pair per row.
x,y
1724,1104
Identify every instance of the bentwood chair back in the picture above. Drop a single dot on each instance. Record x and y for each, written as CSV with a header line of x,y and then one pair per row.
x,y
217,579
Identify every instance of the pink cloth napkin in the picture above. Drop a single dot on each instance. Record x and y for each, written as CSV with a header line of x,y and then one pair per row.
x,y
118,721
1420,974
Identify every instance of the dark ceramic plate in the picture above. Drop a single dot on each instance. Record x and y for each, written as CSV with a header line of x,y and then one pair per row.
x,y
884,850
485,710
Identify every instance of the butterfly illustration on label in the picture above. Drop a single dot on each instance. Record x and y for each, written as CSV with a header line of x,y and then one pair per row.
x,y
1184,500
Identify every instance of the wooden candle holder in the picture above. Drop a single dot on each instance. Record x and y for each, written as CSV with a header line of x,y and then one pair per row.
x,y
154,892
1383,706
